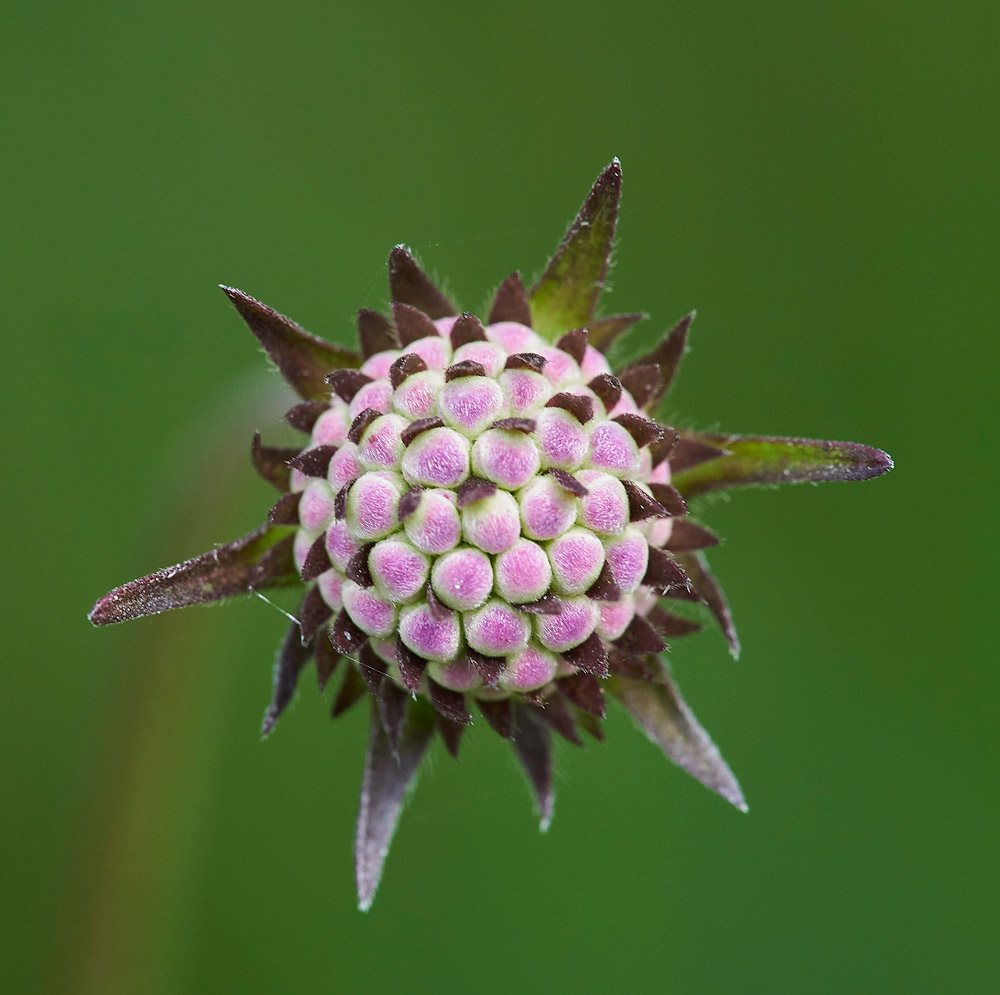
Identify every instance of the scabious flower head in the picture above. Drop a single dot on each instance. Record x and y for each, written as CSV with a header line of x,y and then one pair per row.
x,y
488,519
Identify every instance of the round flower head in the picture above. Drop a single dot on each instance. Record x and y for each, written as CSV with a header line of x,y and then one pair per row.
x,y
487,519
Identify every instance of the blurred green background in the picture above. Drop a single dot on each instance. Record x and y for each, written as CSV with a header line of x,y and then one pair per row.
x,y
819,180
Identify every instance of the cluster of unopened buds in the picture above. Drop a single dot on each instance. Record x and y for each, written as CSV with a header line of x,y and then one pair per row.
x,y
489,519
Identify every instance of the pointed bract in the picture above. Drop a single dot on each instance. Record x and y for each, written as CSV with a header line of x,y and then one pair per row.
x,y
703,580
533,746
565,296
220,573
663,715
604,331
760,459
272,463
387,778
292,658
510,302
375,333
302,359
666,357
409,284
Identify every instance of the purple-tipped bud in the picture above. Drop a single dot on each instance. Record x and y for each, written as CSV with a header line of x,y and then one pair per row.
x,y
398,569
613,449
628,557
429,635
371,614
510,459
372,505
438,458
488,355
463,578
532,668
496,629
434,526
576,557
381,447
522,573
513,337
526,391
572,626
493,523
303,542
547,510
316,506
471,404
605,507
562,441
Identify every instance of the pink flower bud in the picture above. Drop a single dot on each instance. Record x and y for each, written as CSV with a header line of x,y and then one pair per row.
x,y
562,441
526,391
532,668
381,447
471,404
370,613
547,510
435,526
576,557
340,545
344,466
301,545
513,337
509,459
438,458
377,366
416,397
594,364
331,427
377,395
628,557
456,675
489,355
574,624
523,572
316,506
496,629
430,636
561,368
372,504
445,325
492,523
435,352
605,507
463,578
330,584
613,449
398,569
615,617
